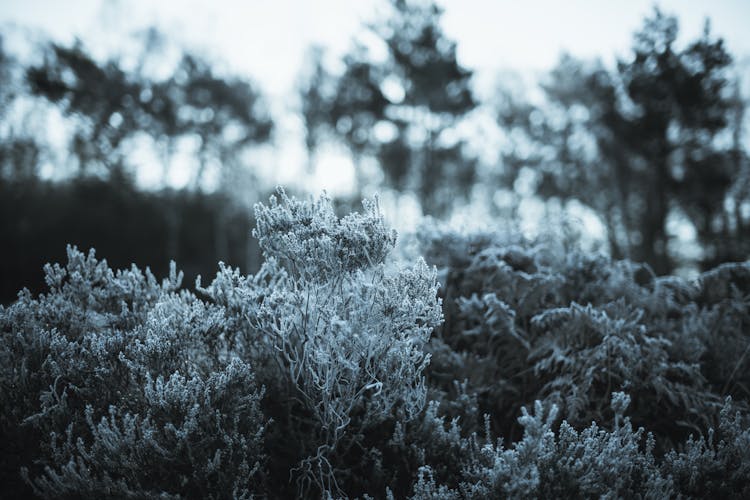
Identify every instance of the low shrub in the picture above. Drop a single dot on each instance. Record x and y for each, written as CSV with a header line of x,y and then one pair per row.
x,y
337,372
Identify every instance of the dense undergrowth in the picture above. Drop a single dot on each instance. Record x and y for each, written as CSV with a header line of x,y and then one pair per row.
x,y
521,369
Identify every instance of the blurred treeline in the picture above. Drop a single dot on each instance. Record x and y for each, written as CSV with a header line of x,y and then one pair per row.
x,y
655,146
88,195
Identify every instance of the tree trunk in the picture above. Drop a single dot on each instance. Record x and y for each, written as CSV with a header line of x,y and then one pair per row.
x,y
653,247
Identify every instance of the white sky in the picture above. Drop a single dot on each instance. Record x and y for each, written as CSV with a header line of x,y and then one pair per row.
x,y
266,39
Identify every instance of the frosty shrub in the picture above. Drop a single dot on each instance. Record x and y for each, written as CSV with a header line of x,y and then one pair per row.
x,y
116,385
716,466
545,463
583,354
335,372
339,334
722,325
530,320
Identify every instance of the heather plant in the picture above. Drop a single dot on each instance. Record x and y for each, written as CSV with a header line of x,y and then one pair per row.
x,y
707,468
436,449
339,334
591,463
330,373
194,438
555,461
115,384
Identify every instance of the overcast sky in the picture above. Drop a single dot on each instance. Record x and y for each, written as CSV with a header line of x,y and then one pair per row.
x,y
267,39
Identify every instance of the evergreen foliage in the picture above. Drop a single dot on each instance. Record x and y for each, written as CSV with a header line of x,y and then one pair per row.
x,y
340,338
403,110
117,385
559,325
334,372
656,138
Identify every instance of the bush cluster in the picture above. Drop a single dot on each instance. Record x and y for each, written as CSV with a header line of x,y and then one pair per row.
x,y
511,368
543,324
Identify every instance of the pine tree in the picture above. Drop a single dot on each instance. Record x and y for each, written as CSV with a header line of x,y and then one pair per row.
x,y
403,111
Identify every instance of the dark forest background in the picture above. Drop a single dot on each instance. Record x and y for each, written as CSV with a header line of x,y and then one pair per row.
x,y
656,142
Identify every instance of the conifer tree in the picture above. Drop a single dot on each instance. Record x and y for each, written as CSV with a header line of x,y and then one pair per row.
x,y
403,110
641,143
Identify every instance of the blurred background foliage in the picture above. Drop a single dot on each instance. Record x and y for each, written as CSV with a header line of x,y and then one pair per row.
x,y
653,149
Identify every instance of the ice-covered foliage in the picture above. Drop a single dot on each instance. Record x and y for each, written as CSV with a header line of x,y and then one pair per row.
x,y
335,372
705,468
592,463
531,320
116,385
195,438
557,461
339,334
581,354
